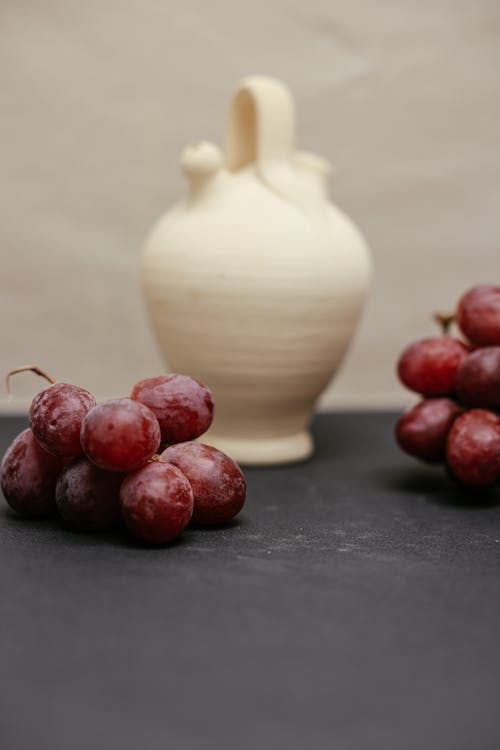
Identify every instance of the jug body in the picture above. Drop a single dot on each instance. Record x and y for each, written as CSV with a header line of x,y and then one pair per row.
x,y
254,285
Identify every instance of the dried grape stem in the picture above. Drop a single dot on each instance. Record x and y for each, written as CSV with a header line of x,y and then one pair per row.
x,y
444,320
27,368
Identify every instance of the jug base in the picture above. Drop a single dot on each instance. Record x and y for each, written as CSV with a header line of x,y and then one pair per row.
x,y
264,451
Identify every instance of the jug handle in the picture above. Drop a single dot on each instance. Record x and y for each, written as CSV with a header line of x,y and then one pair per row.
x,y
261,126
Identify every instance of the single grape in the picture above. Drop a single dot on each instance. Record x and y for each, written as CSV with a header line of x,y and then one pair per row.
x,y
473,448
120,434
87,497
422,430
478,314
56,416
183,406
156,502
429,366
218,483
28,476
478,378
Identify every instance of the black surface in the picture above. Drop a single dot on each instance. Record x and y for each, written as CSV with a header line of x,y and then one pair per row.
x,y
355,605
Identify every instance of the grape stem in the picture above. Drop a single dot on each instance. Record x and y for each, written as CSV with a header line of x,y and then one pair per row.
x,y
444,320
27,368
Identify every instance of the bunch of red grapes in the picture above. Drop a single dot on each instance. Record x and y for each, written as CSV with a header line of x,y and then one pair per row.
x,y
130,460
458,420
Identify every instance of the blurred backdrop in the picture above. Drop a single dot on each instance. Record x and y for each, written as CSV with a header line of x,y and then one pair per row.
x,y
98,98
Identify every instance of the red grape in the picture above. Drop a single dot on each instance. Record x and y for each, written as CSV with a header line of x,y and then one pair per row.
x,y
478,379
422,430
28,476
156,502
473,448
87,497
478,314
56,416
429,366
183,406
120,435
218,483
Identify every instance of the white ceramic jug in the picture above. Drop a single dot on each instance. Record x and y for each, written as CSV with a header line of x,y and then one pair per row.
x,y
254,281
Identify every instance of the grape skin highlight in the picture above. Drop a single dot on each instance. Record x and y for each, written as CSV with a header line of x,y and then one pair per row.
x,y
56,416
429,366
478,314
473,448
156,502
218,483
183,406
422,430
120,435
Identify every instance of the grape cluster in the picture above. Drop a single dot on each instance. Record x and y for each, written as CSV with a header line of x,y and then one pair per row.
x,y
128,460
458,420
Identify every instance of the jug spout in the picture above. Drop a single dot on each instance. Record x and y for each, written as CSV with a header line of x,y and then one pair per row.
x,y
202,164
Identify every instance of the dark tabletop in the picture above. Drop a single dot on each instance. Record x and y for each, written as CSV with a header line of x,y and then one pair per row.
x,y
354,606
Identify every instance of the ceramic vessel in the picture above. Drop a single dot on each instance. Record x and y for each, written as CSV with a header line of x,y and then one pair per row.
x,y
255,281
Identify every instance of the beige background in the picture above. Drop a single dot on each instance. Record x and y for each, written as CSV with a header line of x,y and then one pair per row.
x,y
98,98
